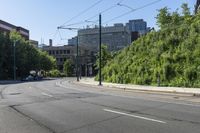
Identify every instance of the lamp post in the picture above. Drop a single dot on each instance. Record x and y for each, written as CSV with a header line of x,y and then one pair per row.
x,y
14,60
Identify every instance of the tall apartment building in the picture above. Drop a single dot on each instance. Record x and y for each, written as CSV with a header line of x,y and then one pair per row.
x,y
137,25
73,41
6,28
115,37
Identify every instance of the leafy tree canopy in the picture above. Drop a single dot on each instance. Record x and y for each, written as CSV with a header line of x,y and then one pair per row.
x,y
67,68
27,57
170,55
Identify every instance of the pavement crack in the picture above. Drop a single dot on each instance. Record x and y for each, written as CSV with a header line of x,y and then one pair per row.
x,y
91,124
1,92
28,117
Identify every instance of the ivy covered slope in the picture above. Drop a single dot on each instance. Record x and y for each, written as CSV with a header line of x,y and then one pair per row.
x,y
170,55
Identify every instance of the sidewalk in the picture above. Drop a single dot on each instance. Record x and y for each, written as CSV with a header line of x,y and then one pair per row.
x,y
195,91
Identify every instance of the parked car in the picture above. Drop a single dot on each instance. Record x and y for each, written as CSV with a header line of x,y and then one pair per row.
x,y
29,78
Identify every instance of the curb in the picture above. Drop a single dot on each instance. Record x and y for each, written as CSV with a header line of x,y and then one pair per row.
x,y
142,88
9,82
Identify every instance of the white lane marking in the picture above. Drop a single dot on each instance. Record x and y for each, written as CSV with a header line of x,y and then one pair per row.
x,y
116,95
45,94
135,116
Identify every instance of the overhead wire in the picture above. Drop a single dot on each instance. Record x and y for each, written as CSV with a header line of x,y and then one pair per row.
x,y
88,19
119,3
113,6
84,11
132,10
55,35
61,38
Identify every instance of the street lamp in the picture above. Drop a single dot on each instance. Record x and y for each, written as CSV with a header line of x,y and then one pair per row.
x,y
14,59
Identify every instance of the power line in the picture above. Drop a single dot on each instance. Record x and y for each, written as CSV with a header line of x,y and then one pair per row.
x,y
84,11
61,38
55,35
87,20
81,22
132,10
119,3
115,5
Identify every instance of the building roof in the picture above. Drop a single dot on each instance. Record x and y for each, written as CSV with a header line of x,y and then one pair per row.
x,y
4,23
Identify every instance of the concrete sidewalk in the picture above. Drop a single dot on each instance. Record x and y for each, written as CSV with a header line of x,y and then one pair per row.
x,y
91,81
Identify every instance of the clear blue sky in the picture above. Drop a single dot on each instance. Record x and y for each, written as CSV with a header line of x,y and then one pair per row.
x,y
42,17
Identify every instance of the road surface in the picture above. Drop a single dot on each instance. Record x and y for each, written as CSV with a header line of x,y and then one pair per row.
x,y
61,106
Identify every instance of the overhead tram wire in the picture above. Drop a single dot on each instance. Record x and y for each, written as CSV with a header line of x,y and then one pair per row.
x,y
61,38
132,10
88,19
81,22
84,11
55,35
115,5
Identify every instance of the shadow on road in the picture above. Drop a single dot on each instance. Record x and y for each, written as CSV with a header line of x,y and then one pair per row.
x,y
8,82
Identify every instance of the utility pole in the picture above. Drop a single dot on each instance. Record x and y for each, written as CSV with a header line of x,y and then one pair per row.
x,y
77,60
100,78
14,61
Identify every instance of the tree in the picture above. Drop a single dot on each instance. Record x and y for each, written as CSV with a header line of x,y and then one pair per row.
x,y
6,60
185,10
163,17
169,56
175,18
106,56
67,68
47,62
27,57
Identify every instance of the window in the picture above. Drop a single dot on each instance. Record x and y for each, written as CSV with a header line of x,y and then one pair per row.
x,y
65,51
68,51
57,52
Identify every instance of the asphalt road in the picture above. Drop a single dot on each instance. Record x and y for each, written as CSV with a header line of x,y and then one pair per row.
x,y
60,106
